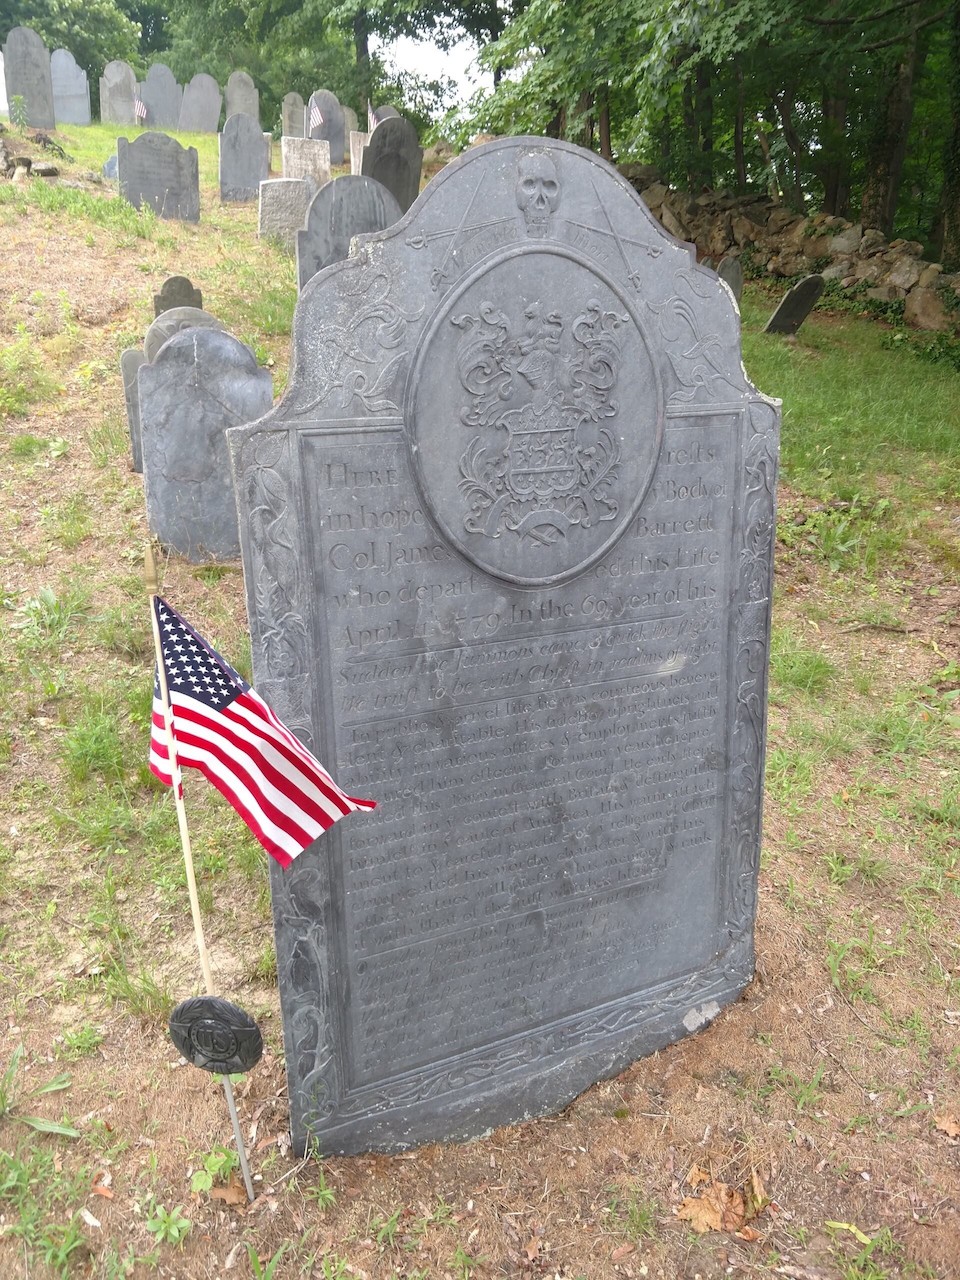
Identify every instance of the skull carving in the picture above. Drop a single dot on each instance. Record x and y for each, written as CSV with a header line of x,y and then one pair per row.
x,y
538,192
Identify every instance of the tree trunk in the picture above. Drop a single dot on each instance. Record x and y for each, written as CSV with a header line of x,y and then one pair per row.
x,y
739,155
951,169
691,136
835,172
704,112
603,122
888,146
361,46
795,145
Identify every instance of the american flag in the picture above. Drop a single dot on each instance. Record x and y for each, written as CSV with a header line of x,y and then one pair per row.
x,y
139,107
225,729
316,117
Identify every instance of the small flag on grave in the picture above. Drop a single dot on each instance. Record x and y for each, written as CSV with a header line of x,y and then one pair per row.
x,y
139,108
316,117
225,729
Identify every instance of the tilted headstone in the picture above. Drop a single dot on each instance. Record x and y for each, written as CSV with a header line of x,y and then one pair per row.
x,y
162,97
200,107
291,116
118,92
731,270
507,545
169,323
71,89
177,291
156,170
306,158
26,66
394,157
130,362
243,158
357,142
200,383
324,119
242,96
344,208
795,305
283,208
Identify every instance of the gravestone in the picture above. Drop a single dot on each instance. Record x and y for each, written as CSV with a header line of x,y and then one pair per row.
x,y
306,158
795,305
350,123
731,270
242,96
347,207
357,142
291,116
324,119
130,362
177,291
507,545
109,168
162,97
4,105
155,170
394,157
118,91
375,115
169,323
243,158
200,383
26,64
71,90
283,208
200,106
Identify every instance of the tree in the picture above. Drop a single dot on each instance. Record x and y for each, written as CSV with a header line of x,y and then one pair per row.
x,y
94,31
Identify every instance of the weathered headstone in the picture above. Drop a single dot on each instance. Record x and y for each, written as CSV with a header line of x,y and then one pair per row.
x,y
350,123
109,169
291,116
507,545
243,158
118,91
242,96
130,362
324,119
347,207
731,270
200,107
169,323
71,90
156,170
177,291
394,157
357,142
162,97
375,115
4,105
306,158
283,208
795,305
26,65
201,383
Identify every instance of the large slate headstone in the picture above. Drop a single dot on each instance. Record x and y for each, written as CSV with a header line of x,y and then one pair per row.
x,y
283,208
71,90
130,362
26,68
306,158
200,383
162,97
155,170
4,105
394,157
507,546
731,270
177,291
169,323
242,96
291,116
795,305
244,160
324,119
200,107
347,207
118,92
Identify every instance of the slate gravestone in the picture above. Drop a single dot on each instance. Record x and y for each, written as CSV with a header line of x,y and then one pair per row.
x,y
342,209
118,91
4,105
357,142
306,158
110,168
162,97
795,305
394,157
177,291
243,158
71,90
507,545
283,209
375,115
155,170
169,323
130,362
291,116
350,124
242,96
200,383
731,270
200,107
26,64
324,119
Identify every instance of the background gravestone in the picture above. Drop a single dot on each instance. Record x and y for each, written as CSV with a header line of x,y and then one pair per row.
x,y
155,170
243,158
200,106
330,127
357,142
71,90
242,96
283,208
731,270
347,207
291,116
350,123
795,305
118,90
507,543
162,97
201,382
375,115
26,64
109,168
177,291
394,157
306,158
130,362
169,323
3,87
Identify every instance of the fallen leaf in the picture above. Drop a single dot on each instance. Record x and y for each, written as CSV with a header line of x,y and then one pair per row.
x,y
622,1251
755,1196
747,1233
532,1249
696,1176
100,1190
233,1193
719,1208
89,1219
948,1124
854,1231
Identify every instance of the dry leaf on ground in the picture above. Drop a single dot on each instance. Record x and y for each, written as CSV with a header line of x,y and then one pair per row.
x,y
720,1208
948,1124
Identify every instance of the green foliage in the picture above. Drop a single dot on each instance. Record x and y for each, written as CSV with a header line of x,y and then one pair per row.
x,y
217,1166
18,113
24,378
95,31
12,1095
169,1226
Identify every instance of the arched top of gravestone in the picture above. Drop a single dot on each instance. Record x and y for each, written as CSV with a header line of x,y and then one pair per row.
x,y
157,171
162,97
71,91
242,96
27,75
324,119
118,91
376,115
346,207
244,159
393,156
291,115
200,107
795,306
730,269
177,291
173,322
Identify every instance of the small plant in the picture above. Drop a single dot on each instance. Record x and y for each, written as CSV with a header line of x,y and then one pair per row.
x,y
637,1218
168,1225
18,113
322,1194
11,1098
78,1044
385,1229
463,1265
260,1270
218,1165
805,1094
333,1268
